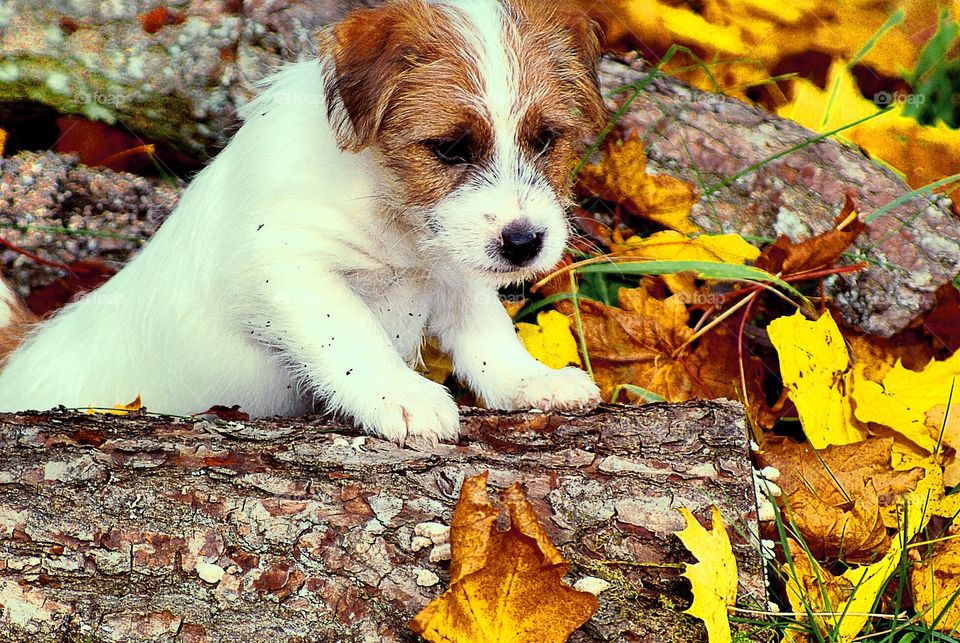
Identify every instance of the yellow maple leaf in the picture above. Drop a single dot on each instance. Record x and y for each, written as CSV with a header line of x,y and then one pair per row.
x,y
745,42
435,365
621,176
550,340
913,404
713,579
504,585
935,583
841,603
671,245
119,409
815,367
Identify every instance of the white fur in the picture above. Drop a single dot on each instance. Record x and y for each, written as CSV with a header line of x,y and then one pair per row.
x,y
278,283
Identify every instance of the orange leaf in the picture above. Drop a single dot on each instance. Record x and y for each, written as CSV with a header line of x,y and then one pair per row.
x,y
622,177
504,585
785,256
841,498
642,343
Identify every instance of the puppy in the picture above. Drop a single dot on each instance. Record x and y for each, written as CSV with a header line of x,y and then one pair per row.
x,y
378,193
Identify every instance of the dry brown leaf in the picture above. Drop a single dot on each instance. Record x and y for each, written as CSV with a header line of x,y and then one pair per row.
x,y
504,585
789,258
842,498
935,583
638,344
949,419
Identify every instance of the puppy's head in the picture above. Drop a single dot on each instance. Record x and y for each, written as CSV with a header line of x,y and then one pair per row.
x,y
477,110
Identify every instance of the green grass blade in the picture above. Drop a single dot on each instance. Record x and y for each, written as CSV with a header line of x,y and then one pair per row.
x,y
714,270
642,393
546,302
879,212
638,88
895,19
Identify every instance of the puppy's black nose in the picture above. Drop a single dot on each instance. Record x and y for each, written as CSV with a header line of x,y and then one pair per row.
x,y
521,242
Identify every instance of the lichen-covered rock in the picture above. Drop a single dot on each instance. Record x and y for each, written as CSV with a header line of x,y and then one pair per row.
x,y
173,71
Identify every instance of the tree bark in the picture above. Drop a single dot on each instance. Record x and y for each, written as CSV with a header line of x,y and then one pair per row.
x,y
146,528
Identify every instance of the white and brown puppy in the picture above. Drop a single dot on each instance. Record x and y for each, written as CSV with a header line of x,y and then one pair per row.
x,y
373,195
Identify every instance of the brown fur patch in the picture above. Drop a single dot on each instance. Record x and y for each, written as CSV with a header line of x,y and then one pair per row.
x,y
403,78
20,323
558,50
373,50
402,81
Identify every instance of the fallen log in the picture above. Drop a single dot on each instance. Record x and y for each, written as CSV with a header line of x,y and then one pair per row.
x,y
145,528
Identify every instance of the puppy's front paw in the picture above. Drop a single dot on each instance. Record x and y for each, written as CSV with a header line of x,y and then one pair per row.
x,y
419,408
567,389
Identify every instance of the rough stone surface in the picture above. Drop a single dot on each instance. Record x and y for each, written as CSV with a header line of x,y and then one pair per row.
x,y
41,194
145,528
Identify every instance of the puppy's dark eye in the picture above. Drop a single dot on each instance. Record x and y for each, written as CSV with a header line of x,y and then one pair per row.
x,y
452,151
545,140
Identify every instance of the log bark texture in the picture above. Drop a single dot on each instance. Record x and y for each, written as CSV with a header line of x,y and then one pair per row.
x,y
154,529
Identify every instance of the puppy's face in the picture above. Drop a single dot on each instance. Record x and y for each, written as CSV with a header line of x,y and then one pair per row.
x,y
477,110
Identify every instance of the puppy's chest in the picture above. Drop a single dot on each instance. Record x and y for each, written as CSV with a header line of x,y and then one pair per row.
x,y
402,299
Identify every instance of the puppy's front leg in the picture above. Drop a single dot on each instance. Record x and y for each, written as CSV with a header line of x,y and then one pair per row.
x,y
489,357
328,335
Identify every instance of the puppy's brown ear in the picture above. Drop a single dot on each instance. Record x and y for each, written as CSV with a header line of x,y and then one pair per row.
x,y
16,320
366,56
584,41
